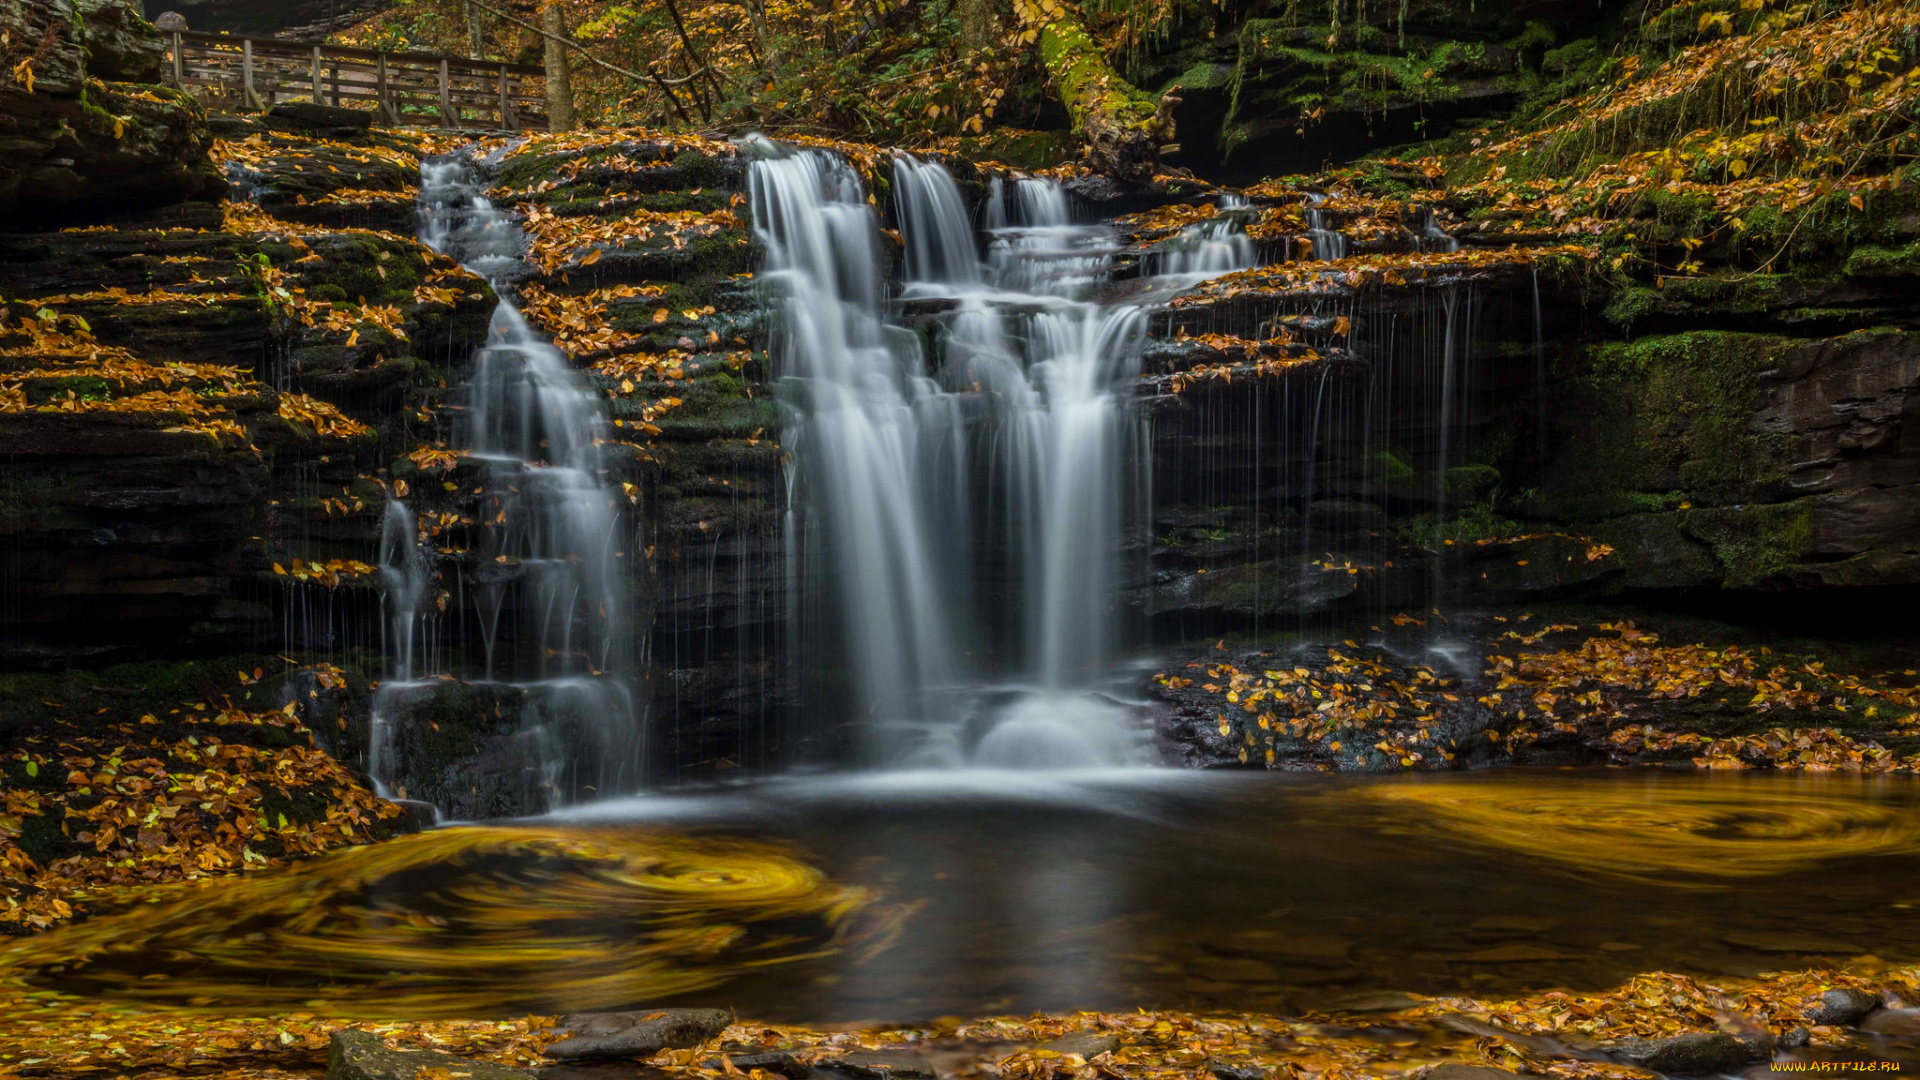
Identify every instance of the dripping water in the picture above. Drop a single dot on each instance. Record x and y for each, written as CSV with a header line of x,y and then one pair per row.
x,y
548,596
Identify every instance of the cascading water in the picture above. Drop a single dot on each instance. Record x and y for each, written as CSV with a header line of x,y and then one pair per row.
x,y
866,431
549,609
1012,436
1329,244
1219,245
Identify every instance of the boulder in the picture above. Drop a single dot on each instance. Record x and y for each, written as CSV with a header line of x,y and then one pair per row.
x,y
121,46
778,1062
1088,1044
641,1033
880,1065
311,117
1697,1054
360,1055
1470,1072
73,151
1842,1005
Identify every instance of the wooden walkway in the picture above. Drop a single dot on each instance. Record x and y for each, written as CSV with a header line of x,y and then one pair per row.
x,y
401,88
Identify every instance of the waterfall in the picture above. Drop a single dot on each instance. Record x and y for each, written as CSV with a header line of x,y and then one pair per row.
x,y
550,613
1219,245
867,431
1434,238
1328,244
406,576
1010,433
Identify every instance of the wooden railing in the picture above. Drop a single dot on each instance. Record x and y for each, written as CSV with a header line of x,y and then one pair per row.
x,y
401,88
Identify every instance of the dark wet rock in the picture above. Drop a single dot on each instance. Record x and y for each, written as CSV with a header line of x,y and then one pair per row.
x,y
75,151
778,1063
1470,1072
1223,1071
880,1065
121,46
360,1055
417,815
1379,1001
1697,1054
1842,1005
1088,1044
315,118
298,180
1795,1039
1892,1022
636,1034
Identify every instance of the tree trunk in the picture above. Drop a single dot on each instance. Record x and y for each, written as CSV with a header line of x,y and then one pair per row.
x,y
559,70
474,40
976,23
1121,126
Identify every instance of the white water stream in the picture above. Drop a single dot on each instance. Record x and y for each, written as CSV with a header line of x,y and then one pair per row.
x,y
1011,432
546,585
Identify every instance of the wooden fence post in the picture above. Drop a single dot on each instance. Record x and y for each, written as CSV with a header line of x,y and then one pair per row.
x,y
447,119
248,98
506,103
179,64
318,99
383,103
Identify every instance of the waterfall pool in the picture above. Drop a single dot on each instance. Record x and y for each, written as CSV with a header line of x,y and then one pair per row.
x,y
912,895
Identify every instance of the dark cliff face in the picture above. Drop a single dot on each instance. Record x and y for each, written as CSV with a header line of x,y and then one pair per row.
x,y
258,18
1593,441
74,147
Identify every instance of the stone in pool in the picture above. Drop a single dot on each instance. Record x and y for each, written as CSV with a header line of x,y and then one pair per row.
x,y
1088,1044
641,1033
1698,1054
879,1065
360,1055
1471,1072
1841,1006
777,1062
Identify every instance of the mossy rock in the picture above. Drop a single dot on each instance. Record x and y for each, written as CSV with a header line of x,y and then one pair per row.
x,y
1672,413
1881,262
1754,543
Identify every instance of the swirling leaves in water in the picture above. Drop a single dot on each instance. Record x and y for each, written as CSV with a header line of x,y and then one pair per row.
x,y
446,923
1679,834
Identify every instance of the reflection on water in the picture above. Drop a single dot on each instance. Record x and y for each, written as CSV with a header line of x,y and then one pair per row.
x,y
900,896
1679,834
455,922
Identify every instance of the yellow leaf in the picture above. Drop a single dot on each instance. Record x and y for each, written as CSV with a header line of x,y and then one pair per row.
x,y
1737,168
660,315
592,257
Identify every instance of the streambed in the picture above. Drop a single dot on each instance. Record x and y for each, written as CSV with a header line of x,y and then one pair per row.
x,y
904,896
